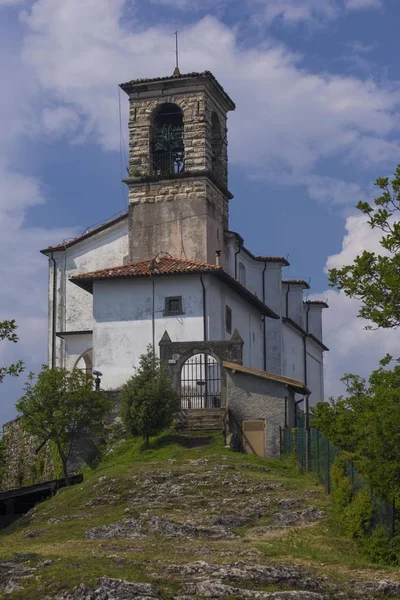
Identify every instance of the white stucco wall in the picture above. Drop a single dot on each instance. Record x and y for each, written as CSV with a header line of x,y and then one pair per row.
x,y
75,346
293,353
122,321
292,302
313,315
108,248
315,372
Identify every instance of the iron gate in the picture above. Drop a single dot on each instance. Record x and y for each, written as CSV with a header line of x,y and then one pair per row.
x,y
201,382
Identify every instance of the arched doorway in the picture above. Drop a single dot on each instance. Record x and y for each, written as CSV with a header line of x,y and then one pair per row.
x,y
85,361
200,382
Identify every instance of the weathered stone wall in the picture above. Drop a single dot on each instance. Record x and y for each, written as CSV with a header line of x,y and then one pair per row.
x,y
24,466
197,108
184,216
251,397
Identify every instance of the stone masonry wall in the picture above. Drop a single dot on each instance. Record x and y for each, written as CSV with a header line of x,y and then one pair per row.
x,y
185,217
250,397
24,467
197,109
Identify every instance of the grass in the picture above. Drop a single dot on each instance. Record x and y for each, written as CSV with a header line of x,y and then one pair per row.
x,y
223,481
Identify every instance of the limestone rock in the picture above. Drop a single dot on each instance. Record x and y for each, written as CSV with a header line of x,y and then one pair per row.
x,y
112,589
188,529
129,528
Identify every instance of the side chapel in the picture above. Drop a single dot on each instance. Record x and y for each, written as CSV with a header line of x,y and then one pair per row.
x,y
170,266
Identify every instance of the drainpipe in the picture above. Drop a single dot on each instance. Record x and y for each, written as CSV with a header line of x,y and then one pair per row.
x,y
287,300
204,309
264,321
54,315
153,323
236,254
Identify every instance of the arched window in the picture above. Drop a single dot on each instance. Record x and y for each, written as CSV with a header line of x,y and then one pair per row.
x,y
167,149
242,274
85,361
217,147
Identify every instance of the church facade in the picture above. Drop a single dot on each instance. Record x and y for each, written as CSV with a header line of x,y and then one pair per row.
x,y
171,263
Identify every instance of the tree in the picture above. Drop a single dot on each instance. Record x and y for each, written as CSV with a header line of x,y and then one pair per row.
x,y
7,332
366,426
373,278
59,406
148,399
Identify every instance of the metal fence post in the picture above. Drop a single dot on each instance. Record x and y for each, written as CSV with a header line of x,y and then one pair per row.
x,y
307,433
328,479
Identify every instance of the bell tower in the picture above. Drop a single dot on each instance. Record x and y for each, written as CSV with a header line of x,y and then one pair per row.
x,y
178,166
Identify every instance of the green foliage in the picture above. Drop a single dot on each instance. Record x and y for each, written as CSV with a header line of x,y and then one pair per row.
x,y
378,548
341,488
59,406
365,424
148,399
7,332
357,515
375,278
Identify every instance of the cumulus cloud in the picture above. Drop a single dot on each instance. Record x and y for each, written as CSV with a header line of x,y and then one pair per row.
x,y
287,116
353,348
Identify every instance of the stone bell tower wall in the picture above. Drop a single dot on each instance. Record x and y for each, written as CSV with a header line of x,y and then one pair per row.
x,y
185,217
185,213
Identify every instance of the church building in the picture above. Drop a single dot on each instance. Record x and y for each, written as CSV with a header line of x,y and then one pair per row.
x,y
170,265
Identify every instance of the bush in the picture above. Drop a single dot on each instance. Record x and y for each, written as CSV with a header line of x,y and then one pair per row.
x,y
148,399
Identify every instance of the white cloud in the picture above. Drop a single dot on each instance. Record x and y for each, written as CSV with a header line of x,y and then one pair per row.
x,y
359,4
287,116
59,121
353,348
336,191
293,11
10,2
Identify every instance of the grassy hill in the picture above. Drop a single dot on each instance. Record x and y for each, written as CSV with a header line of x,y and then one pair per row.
x,y
193,519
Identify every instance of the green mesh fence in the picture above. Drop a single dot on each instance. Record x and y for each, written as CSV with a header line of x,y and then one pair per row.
x,y
321,456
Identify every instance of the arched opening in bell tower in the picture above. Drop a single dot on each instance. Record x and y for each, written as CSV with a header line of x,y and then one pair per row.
x,y
217,148
167,147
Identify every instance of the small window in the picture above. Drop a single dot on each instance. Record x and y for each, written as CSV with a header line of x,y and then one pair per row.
x,y
173,305
228,319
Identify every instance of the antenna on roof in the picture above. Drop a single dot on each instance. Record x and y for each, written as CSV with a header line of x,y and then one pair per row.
x,y
176,70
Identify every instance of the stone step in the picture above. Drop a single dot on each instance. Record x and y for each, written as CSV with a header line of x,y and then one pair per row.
x,y
199,419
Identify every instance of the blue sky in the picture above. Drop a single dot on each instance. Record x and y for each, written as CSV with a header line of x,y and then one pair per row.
x,y
316,83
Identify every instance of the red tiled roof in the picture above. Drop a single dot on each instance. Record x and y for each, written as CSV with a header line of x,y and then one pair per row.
x,y
164,264
297,281
87,234
279,259
318,302
160,265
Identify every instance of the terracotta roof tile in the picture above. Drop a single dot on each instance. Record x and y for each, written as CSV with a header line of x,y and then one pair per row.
x,y
318,302
164,264
160,265
296,282
279,259
126,86
87,233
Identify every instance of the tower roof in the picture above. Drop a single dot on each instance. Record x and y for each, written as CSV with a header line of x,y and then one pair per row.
x,y
136,84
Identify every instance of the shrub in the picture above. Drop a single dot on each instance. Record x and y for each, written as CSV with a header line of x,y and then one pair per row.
x,y
148,399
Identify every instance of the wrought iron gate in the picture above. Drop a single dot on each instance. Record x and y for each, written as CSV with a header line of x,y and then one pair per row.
x,y
201,382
